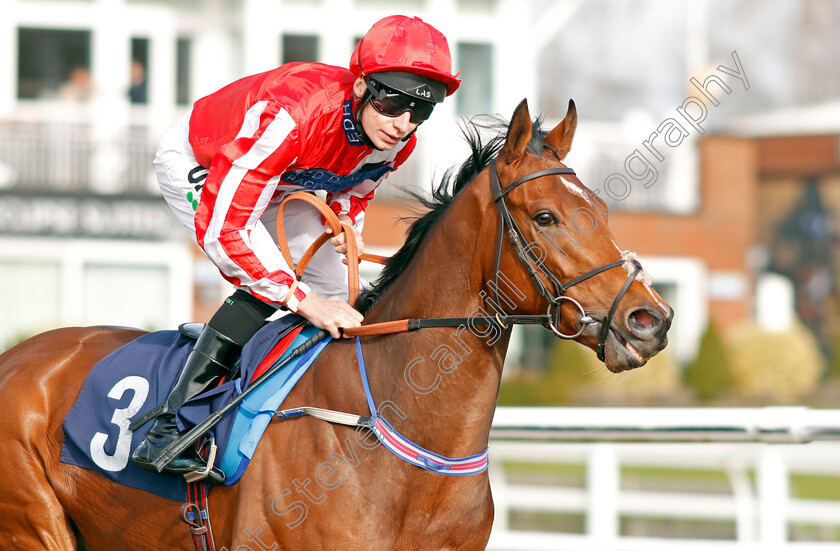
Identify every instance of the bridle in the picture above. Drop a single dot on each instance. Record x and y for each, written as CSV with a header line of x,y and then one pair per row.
x,y
535,268
531,261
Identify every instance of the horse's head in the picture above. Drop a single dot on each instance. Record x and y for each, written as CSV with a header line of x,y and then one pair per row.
x,y
555,247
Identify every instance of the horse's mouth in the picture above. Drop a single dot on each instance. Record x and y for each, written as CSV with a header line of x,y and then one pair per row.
x,y
621,355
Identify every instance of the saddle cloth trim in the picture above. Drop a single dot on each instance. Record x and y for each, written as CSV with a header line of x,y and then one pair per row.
x,y
252,421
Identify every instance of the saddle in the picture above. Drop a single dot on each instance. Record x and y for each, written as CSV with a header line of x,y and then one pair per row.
x,y
135,377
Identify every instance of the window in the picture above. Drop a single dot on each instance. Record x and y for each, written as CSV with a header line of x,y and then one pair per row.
x,y
25,314
183,94
299,47
475,96
54,64
138,92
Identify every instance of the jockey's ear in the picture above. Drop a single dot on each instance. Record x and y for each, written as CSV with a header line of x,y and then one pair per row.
x,y
359,87
559,141
518,134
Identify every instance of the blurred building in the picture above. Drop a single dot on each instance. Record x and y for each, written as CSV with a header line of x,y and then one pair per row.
x,y
89,87
797,152
749,193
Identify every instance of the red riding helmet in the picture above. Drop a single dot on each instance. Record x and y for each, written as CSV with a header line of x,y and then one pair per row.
x,y
398,45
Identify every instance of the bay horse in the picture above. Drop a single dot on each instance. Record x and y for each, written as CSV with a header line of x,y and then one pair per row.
x,y
314,485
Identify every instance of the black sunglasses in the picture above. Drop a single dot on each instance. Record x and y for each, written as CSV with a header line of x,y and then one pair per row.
x,y
393,103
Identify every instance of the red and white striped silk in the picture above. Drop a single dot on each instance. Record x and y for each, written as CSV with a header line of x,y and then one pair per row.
x,y
269,134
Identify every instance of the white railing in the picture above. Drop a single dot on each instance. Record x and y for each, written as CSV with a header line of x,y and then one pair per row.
x,y
755,452
48,148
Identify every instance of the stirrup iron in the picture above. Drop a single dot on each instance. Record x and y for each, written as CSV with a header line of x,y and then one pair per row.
x,y
215,475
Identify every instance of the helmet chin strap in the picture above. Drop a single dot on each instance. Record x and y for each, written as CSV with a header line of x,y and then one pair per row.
x,y
357,120
364,100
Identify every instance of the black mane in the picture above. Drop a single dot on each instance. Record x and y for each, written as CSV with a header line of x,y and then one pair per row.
x,y
453,181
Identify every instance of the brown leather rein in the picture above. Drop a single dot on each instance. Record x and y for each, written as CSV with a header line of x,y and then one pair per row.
x,y
504,320
353,259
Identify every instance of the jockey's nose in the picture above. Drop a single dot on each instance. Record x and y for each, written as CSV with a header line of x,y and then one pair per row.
x,y
403,122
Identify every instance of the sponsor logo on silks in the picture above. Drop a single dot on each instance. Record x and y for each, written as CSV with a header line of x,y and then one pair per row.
x,y
196,176
321,179
349,125
192,199
422,91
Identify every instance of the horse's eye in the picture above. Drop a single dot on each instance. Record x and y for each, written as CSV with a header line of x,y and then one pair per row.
x,y
545,219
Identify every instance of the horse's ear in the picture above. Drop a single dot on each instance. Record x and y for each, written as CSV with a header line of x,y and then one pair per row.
x,y
559,140
519,133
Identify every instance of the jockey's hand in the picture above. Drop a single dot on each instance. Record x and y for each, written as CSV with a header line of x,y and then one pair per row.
x,y
329,314
340,241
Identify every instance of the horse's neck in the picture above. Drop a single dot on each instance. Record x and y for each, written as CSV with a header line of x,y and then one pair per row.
x,y
441,384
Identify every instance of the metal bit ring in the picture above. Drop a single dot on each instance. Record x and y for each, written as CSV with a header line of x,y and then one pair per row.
x,y
583,319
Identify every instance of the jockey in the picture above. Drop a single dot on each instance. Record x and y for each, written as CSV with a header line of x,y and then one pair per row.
x,y
225,167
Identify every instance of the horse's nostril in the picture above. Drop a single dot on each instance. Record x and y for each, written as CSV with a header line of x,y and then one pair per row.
x,y
643,318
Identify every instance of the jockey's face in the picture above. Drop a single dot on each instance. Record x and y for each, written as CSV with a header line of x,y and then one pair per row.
x,y
385,132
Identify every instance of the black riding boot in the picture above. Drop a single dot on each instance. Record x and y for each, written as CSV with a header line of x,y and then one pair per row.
x,y
207,363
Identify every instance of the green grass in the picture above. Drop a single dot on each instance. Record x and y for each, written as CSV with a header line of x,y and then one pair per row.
x,y
560,474
815,487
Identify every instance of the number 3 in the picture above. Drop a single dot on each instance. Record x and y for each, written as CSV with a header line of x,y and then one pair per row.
x,y
121,418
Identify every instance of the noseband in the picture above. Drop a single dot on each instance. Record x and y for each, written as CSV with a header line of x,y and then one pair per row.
x,y
534,265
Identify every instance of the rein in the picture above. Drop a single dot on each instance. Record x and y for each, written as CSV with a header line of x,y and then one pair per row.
x,y
533,265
